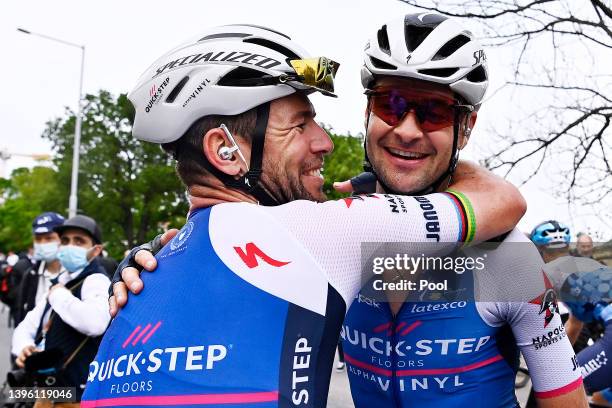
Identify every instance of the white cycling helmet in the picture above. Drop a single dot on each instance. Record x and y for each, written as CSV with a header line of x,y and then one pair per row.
x,y
428,47
226,70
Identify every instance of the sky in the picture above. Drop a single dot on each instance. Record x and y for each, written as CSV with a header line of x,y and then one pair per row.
x,y
40,77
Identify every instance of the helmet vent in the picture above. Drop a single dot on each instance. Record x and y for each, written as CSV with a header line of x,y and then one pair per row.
x,y
415,35
261,28
177,89
237,76
223,35
450,47
381,64
439,72
383,40
273,46
477,75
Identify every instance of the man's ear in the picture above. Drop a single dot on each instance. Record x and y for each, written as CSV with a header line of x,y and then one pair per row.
x,y
465,136
214,140
95,251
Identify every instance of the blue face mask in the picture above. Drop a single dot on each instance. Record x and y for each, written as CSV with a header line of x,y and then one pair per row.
x,y
46,252
73,258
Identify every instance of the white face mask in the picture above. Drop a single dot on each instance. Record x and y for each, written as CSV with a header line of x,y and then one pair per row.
x,y
46,252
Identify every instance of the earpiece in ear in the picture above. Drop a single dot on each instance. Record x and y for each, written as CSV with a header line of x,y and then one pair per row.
x,y
227,153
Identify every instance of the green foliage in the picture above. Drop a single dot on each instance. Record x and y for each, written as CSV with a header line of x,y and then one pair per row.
x,y
345,162
128,186
27,193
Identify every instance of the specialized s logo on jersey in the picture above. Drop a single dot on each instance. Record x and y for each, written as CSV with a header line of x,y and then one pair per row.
x,y
547,301
250,254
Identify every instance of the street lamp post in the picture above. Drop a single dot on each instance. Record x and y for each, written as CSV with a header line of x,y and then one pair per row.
x,y
74,182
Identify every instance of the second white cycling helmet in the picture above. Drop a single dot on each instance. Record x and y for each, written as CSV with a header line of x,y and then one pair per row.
x,y
432,48
428,47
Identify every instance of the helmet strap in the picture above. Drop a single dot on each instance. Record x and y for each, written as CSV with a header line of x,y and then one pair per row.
x,y
250,181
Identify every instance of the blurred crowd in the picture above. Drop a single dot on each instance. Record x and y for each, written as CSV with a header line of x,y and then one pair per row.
x,y
57,294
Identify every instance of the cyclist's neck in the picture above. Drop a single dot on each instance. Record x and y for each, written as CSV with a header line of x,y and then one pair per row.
x,y
201,196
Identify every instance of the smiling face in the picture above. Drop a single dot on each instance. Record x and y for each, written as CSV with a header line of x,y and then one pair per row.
x,y
294,150
407,157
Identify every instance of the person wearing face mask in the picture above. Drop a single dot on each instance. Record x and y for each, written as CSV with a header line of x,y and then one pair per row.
x,y
36,277
75,313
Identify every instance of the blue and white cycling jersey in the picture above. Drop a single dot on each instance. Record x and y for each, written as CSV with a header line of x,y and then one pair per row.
x,y
459,352
247,302
585,286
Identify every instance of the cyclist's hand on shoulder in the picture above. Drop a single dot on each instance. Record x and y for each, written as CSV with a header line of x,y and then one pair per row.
x,y
127,274
343,186
364,183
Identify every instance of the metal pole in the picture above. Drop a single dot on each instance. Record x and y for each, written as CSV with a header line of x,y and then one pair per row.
x,y
74,182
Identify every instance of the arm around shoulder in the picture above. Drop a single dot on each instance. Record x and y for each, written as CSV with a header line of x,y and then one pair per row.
x,y
498,205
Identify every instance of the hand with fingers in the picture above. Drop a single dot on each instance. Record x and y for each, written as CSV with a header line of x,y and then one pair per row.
x,y
25,353
364,183
127,274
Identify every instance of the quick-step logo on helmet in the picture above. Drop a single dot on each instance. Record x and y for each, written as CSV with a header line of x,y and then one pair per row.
x,y
219,57
156,92
168,359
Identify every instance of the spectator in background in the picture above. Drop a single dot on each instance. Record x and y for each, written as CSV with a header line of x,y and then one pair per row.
x,y
552,239
584,245
25,280
70,323
36,277
12,258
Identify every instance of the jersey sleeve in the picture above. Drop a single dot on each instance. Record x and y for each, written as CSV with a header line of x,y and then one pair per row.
x,y
518,293
546,348
333,232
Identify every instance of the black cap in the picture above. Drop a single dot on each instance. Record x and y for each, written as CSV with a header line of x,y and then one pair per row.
x,y
84,223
